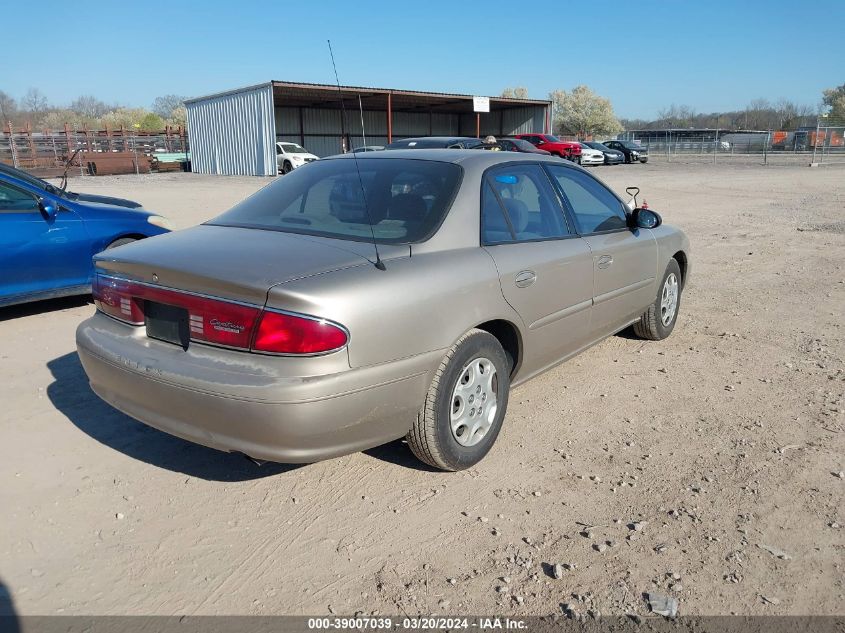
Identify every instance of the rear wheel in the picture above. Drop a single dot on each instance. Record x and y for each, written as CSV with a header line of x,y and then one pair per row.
x,y
465,405
287,168
659,320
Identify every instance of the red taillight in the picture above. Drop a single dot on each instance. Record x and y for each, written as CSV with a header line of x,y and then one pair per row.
x,y
220,322
288,334
116,297
211,320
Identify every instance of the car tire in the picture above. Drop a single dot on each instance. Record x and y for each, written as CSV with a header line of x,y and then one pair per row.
x,y
659,320
287,168
446,415
121,242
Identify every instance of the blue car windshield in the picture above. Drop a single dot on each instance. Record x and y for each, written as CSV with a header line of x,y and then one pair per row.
x,y
404,200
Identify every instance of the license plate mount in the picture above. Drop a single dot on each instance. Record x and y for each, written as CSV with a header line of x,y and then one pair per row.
x,y
167,323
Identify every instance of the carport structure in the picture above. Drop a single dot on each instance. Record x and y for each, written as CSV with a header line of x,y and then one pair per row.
x,y
235,132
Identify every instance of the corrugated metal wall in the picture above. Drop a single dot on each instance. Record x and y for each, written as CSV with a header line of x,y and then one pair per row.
x,y
234,134
320,132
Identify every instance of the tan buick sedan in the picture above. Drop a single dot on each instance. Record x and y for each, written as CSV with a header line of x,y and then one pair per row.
x,y
365,298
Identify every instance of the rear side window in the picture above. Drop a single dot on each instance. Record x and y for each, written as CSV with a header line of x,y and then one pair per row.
x,y
594,206
519,205
405,200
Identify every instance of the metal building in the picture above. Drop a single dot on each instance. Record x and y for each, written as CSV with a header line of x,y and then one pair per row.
x,y
234,132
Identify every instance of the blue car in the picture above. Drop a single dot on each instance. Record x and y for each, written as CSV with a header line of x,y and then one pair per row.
x,y
48,237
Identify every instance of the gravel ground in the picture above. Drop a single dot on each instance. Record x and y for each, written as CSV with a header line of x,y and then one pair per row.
x,y
707,467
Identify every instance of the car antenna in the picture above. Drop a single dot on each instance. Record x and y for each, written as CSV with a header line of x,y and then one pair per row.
x,y
363,129
378,263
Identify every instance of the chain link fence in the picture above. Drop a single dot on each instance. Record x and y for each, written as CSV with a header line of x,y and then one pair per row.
x,y
820,144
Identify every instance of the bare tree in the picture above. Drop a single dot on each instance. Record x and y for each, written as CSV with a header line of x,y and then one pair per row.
x,y
8,108
90,107
519,92
34,101
165,106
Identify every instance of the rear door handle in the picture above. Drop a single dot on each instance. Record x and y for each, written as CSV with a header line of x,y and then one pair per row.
x,y
604,261
525,278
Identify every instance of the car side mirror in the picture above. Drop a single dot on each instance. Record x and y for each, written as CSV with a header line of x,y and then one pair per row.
x,y
48,208
541,142
644,219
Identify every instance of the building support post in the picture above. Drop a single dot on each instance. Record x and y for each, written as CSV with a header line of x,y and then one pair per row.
x,y
478,125
389,118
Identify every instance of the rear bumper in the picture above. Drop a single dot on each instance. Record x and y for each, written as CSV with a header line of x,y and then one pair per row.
x,y
281,409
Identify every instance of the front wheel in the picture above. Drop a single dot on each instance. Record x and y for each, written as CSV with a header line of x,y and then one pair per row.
x,y
287,168
465,405
659,320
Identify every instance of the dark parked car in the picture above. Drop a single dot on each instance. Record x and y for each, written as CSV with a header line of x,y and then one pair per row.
x,y
520,145
437,142
633,152
38,183
611,156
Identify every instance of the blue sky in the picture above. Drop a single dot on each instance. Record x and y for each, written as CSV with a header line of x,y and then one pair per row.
x,y
641,54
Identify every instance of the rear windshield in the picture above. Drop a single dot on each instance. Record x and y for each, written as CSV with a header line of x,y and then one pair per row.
x,y
405,199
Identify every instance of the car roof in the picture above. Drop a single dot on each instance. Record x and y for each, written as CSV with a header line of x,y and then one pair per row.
x,y
463,157
434,138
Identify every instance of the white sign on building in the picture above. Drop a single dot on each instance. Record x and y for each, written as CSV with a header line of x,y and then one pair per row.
x,y
481,104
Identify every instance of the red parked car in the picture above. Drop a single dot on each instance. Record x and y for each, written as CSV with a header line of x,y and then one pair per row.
x,y
570,150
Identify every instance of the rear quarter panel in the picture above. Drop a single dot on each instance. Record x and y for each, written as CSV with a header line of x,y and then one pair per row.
x,y
419,304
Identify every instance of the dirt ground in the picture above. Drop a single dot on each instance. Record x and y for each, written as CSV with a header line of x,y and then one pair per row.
x,y
706,467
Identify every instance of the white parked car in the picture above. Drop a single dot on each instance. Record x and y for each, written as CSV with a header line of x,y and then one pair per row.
x,y
289,156
590,156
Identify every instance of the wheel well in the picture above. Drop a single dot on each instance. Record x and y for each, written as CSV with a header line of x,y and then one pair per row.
x,y
134,236
681,258
508,336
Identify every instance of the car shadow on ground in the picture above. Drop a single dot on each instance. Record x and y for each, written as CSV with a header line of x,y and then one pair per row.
x,y
628,333
40,307
70,393
8,616
398,453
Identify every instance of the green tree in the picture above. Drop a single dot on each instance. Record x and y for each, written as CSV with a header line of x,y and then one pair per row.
x,y
835,99
152,123
126,118
582,112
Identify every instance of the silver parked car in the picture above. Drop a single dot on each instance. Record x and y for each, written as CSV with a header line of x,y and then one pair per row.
x,y
361,300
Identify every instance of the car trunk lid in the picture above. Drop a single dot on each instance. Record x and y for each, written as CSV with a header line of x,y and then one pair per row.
x,y
234,263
